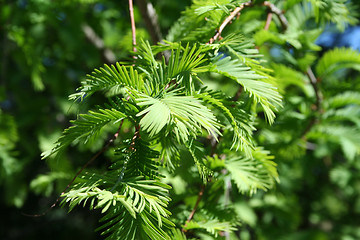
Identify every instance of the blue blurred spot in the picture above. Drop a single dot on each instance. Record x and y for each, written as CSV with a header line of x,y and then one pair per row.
x,y
349,38
61,16
99,7
48,62
276,52
222,55
22,3
72,75
326,39
6,105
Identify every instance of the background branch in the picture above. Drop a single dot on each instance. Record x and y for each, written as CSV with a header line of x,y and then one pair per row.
x,y
279,13
268,21
318,95
150,17
91,35
314,82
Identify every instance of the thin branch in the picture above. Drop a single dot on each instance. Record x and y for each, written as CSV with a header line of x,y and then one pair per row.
x,y
214,143
136,136
317,108
279,13
133,28
114,137
308,127
237,10
238,94
200,195
91,35
228,20
268,21
314,82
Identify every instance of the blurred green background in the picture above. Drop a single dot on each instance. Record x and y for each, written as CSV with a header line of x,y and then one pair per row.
x,y
45,53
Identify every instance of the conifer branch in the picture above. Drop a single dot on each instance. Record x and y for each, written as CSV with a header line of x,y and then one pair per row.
x,y
213,141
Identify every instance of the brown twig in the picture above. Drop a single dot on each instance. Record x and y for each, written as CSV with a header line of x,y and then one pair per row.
x,y
200,195
314,83
136,136
278,12
317,108
234,13
228,20
238,94
237,10
114,137
308,127
133,28
268,21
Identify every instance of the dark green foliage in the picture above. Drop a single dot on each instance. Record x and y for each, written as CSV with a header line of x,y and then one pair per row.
x,y
236,138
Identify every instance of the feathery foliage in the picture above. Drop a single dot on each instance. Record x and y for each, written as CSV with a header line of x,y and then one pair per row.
x,y
88,126
130,195
336,59
250,175
167,100
107,78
